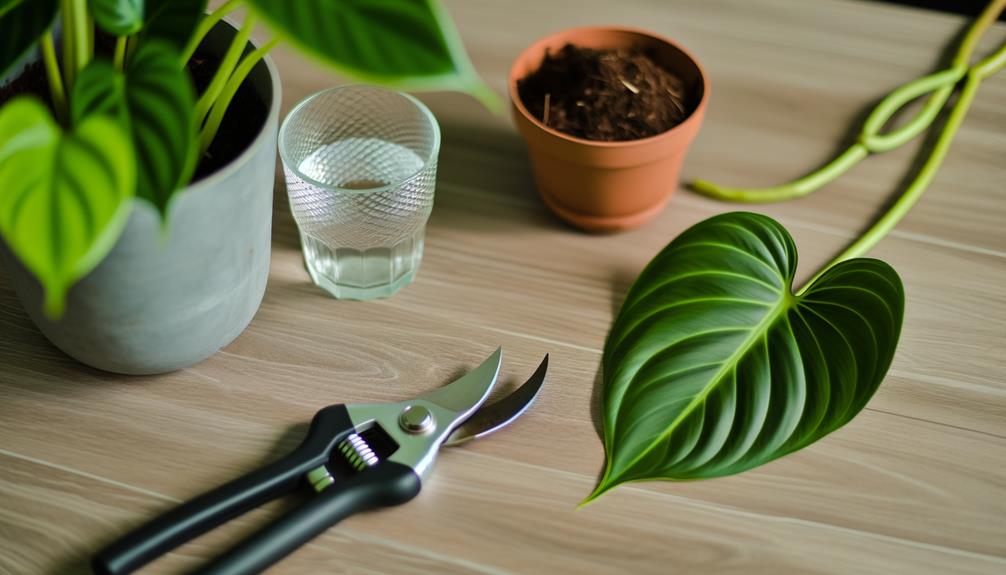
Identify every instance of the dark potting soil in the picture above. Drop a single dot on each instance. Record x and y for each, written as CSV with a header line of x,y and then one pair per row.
x,y
241,124
31,81
243,121
608,95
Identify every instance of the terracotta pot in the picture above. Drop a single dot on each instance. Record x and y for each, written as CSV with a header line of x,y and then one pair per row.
x,y
608,186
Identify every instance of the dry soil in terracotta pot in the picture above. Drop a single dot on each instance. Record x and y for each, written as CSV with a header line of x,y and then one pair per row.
x,y
608,115
606,95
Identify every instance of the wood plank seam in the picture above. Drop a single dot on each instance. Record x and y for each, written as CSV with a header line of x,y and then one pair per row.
x,y
460,562
736,511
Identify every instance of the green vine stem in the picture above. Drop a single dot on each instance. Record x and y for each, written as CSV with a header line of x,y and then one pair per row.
x,y
203,28
120,52
224,72
870,139
55,81
81,54
237,78
881,227
66,13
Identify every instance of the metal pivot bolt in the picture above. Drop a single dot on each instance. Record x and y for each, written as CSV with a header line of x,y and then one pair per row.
x,y
416,419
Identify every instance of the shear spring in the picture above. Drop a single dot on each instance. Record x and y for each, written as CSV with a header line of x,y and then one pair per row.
x,y
358,452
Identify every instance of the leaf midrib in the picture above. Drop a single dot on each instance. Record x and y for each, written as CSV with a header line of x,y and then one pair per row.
x,y
786,302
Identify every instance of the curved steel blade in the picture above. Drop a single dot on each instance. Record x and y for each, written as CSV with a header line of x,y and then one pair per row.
x,y
466,394
502,412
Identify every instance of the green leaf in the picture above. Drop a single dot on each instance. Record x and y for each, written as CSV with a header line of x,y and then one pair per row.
x,y
99,89
408,44
714,366
155,101
173,21
118,17
64,196
21,24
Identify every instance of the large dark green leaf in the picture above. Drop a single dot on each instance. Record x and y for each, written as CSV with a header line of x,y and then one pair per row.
x,y
154,100
64,196
119,17
21,24
410,44
715,366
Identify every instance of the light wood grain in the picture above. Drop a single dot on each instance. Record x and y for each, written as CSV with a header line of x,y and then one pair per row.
x,y
916,484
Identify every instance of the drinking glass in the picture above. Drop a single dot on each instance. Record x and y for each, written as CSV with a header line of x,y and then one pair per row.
x,y
361,167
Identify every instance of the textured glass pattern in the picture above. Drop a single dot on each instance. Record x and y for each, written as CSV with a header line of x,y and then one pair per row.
x,y
360,166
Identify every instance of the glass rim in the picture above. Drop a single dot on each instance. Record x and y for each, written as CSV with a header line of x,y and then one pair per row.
x,y
299,106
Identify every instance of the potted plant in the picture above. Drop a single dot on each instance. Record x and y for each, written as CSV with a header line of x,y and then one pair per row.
x,y
608,114
135,210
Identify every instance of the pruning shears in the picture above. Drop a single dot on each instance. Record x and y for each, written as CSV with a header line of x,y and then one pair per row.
x,y
356,457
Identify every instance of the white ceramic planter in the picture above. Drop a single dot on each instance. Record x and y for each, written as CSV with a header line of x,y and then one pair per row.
x,y
160,302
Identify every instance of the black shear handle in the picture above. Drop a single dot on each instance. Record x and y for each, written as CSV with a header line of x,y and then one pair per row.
x,y
214,508
384,485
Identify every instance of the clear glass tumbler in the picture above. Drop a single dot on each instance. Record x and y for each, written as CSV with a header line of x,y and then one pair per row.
x,y
361,167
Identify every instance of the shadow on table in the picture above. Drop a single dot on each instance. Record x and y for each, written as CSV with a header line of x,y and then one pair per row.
x,y
24,350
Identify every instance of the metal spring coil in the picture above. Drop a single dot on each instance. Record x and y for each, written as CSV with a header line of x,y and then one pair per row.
x,y
357,452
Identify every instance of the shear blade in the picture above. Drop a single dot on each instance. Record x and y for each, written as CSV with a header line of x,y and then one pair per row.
x,y
500,413
466,394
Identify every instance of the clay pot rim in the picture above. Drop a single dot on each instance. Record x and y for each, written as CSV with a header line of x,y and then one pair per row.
x,y
576,31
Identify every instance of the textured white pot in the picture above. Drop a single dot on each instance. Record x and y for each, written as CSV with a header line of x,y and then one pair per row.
x,y
164,301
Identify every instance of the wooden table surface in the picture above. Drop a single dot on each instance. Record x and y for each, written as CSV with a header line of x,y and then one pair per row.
x,y
917,483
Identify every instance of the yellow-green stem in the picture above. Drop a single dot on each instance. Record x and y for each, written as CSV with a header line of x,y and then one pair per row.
x,y
795,189
878,142
66,12
915,189
870,139
120,52
941,84
89,27
81,54
223,73
209,131
53,76
203,28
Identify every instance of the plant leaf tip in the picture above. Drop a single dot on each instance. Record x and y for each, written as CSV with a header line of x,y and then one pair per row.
x,y
54,303
600,490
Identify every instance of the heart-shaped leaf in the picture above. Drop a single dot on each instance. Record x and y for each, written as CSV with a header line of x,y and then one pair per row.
x,y
64,196
169,20
714,366
409,44
119,17
155,101
22,22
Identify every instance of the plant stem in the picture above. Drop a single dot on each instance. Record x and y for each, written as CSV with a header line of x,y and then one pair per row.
x,y
80,34
795,189
53,76
870,140
89,26
209,131
120,52
203,28
941,84
225,70
914,191
66,12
